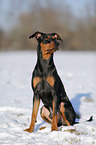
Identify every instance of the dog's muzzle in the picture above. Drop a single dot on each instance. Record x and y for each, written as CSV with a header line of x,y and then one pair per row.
x,y
55,48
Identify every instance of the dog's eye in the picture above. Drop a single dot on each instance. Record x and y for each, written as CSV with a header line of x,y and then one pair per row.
x,y
47,41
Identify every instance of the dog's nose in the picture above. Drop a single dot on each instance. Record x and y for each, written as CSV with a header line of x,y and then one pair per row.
x,y
56,44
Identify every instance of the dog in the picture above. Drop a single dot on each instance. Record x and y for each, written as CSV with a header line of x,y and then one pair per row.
x,y
48,87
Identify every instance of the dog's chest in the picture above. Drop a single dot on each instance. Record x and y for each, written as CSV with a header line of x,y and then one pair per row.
x,y
43,80
43,86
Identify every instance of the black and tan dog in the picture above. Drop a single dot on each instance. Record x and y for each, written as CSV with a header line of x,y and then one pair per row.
x,y
48,87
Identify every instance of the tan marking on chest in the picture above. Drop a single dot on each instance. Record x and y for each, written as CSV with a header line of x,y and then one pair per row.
x,y
50,80
36,80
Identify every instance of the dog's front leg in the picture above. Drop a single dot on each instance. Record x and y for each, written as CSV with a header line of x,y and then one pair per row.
x,y
54,118
34,114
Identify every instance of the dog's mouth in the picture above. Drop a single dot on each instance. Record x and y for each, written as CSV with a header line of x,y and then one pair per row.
x,y
49,51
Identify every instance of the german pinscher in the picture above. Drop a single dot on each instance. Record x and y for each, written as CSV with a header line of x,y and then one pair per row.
x,y
48,87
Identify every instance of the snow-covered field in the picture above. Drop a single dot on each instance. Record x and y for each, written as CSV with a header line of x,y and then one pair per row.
x,y
78,73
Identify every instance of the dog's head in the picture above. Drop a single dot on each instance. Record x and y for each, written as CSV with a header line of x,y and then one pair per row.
x,y
48,42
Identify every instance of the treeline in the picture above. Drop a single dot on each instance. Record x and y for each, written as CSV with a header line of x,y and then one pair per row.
x,y
78,33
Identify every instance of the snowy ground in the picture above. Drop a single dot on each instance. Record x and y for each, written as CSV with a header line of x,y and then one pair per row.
x,y
78,72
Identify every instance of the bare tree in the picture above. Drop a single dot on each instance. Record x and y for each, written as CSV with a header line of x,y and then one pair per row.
x,y
78,33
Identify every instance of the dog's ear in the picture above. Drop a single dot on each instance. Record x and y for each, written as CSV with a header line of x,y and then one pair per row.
x,y
37,35
57,36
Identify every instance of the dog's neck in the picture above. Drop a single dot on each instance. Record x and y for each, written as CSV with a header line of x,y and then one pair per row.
x,y
44,65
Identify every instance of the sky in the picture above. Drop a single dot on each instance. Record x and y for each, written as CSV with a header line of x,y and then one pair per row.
x,y
77,7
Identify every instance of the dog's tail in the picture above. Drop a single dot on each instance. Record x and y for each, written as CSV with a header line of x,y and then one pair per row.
x,y
89,120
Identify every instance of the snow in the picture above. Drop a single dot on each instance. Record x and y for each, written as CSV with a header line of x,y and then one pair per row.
x,y
78,73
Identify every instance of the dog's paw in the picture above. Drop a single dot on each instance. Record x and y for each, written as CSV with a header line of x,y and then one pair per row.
x,y
54,128
29,130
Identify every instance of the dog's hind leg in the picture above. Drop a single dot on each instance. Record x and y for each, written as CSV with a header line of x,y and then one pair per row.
x,y
45,114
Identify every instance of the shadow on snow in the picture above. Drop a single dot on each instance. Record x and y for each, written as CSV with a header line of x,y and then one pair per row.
x,y
76,101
